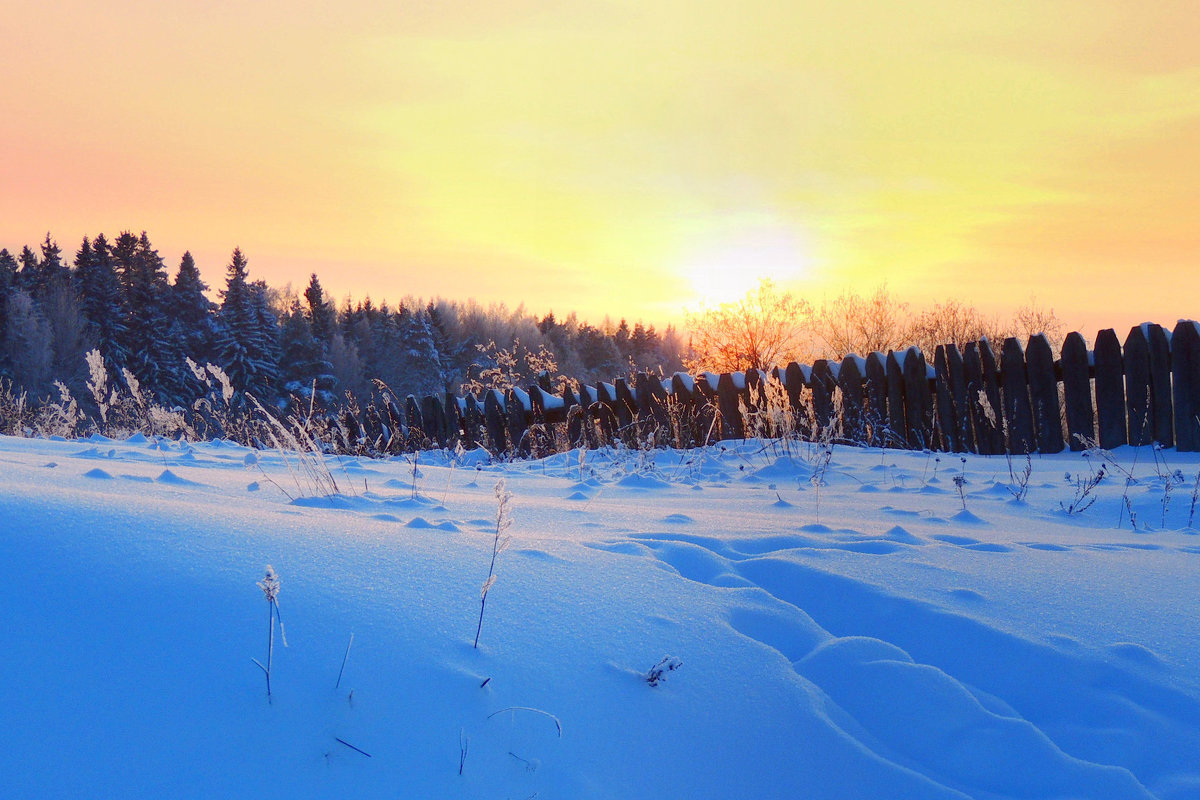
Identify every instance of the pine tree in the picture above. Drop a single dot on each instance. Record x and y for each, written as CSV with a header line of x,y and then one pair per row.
x,y
8,285
303,365
27,275
192,322
192,312
321,314
29,344
153,357
51,270
450,352
264,343
246,352
421,362
100,300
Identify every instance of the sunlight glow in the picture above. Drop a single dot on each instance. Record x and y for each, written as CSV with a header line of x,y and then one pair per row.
x,y
731,260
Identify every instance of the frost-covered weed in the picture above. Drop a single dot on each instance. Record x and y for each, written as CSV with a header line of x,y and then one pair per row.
x,y
301,452
59,418
1018,482
270,589
658,673
1195,499
500,542
1084,487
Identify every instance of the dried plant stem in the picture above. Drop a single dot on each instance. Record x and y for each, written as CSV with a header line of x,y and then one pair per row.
x,y
352,747
557,723
345,658
499,542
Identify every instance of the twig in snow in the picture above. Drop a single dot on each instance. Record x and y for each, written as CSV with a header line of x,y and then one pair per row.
x,y
345,658
557,724
352,747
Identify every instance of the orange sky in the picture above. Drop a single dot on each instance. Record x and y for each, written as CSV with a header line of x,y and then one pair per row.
x,y
629,157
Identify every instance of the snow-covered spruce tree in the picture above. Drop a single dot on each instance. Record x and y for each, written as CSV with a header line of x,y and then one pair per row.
x,y
8,285
151,355
192,313
420,360
244,349
264,342
304,369
449,350
100,300
27,334
27,273
321,314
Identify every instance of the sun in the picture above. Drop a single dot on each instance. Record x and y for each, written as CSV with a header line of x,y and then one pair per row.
x,y
731,259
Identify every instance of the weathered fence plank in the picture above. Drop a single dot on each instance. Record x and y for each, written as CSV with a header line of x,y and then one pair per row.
x,y
493,417
454,420
626,406
1185,372
652,404
821,382
850,382
1043,395
918,402
947,428
1163,411
727,400
1110,390
897,432
1077,392
877,397
958,395
433,420
517,421
1138,395
1018,413
991,391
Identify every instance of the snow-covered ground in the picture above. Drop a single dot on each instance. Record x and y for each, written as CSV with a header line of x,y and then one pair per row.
x,y
862,638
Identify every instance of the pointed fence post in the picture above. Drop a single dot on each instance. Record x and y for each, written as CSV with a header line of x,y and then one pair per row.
x,y
1160,385
1018,414
1110,390
1185,372
1043,394
1077,391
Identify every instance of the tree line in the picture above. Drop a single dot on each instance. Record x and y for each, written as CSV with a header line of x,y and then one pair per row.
x,y
277,345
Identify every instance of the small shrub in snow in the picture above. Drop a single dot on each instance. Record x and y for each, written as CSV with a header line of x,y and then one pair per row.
x,y
500,543
658,672
1084,486
960,483
1018,482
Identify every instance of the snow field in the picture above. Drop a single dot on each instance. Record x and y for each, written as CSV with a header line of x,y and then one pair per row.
x,y
880,642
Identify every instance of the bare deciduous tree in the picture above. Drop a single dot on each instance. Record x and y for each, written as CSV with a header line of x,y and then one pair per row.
x,y
765,328
853,323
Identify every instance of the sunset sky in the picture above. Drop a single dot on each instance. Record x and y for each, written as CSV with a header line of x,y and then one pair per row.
x,y
624,157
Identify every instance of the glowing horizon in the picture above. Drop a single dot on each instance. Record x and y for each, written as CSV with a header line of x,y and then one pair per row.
x,y
624,159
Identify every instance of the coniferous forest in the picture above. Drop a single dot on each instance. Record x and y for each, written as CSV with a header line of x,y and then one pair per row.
x,y
118,297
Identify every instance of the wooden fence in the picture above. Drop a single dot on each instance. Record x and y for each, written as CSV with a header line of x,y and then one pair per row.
x,y
1022,401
